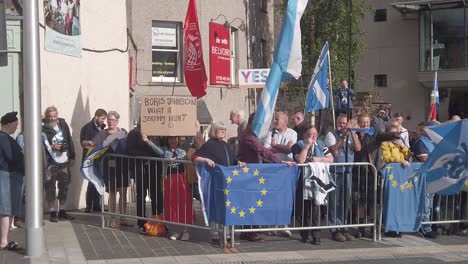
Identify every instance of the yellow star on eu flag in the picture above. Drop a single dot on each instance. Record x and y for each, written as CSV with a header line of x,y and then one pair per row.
x,y
402,187
229,180
228,203
389,167
410,185
261,180
235,172
252,210
246,170
394,184
264,192
233,210
256,172
242,213
226,191
259,203
391,176
415,178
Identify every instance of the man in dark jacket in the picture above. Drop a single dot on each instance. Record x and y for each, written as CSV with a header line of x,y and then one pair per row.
x,y
87,133
59,146
370,152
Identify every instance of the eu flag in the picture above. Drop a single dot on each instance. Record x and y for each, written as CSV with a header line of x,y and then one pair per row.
x,y
258,194
404,197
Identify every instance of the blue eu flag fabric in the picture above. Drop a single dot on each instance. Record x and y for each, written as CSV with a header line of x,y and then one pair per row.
x,y
258,194
404,197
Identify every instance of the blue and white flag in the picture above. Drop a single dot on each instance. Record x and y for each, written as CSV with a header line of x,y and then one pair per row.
x,y
287,63
318,96
446,168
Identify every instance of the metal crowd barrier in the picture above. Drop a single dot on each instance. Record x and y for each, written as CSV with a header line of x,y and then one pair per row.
x,y
448,209
354,202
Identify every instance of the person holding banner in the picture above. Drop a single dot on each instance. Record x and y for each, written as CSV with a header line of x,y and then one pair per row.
x,y
59,145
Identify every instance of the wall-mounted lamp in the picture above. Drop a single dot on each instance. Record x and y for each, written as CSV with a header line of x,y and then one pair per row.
x,y
228,24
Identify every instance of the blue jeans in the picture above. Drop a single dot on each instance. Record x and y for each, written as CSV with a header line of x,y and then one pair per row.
x,y
339,201
427,213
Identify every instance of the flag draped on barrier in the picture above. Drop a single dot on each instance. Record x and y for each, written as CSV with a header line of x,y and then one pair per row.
x,y
446,168
91,169
258,194
287,63
318,96
194,66
404,198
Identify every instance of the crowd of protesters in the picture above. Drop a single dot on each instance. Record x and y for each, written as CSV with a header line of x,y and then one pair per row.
x,y
171,185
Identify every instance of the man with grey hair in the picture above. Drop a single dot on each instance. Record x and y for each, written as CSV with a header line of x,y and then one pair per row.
x,y
237,117
59,145
281,138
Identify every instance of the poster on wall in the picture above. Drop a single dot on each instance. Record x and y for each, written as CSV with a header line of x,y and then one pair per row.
x,y
168,115
220,55
62,27
165,51
253,78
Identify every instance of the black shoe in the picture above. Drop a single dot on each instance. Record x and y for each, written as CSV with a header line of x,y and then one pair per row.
x,y
97,210
305,240
88,210
392,234
315,241
62,215
432,235
53,217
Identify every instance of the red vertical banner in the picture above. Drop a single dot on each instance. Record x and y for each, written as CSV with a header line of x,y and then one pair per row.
x,y
194,67
220,55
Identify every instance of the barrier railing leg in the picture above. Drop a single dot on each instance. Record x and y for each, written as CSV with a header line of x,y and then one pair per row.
x,y
225,233
232,237
103,219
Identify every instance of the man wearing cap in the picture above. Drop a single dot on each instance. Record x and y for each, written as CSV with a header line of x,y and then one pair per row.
x,y
11,178
87,134
59,145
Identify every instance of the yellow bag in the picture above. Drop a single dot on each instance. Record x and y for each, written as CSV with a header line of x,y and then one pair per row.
x,y
155,228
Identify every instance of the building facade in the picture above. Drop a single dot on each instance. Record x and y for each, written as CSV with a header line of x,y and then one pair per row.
x,y
77,85
158,59
407,41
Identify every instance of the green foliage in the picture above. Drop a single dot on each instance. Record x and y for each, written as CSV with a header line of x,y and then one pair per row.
x,y
326,20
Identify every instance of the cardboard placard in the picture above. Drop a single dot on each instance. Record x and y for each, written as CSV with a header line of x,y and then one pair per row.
x,y
168,115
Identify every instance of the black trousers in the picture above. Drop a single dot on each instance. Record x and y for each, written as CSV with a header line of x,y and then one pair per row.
x,y
93,199
148,181
307,212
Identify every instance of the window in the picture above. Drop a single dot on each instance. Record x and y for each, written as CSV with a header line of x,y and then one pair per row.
x,y
380,15
234,62
166,51
380,80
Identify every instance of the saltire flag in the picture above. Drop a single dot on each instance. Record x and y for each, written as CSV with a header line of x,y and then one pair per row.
x,y
91,169
446,168
318,96
257,194
287,63
404,197
194,66
434,100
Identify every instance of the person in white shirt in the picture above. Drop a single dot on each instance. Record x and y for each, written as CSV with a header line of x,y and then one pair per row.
x,y
404,132
281,138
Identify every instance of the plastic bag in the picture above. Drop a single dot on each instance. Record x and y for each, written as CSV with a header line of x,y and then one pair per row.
x,y
155,228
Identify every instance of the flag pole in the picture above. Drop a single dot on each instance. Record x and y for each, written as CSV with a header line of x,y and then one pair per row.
x,y
331,90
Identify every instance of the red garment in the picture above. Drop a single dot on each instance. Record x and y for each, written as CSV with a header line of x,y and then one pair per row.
x,y
177,200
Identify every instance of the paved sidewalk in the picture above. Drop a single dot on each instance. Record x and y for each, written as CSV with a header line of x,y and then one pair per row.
x,y
83,241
